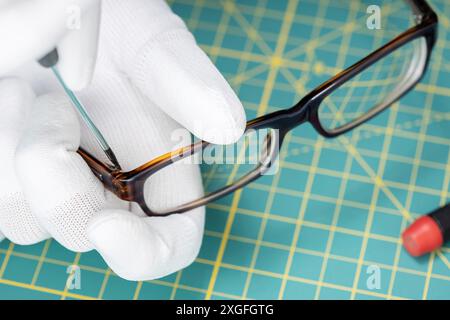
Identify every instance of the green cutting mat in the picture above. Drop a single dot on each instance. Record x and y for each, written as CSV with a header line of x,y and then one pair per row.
x,y
336,207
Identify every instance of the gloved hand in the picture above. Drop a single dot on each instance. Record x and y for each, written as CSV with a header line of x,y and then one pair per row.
x,y
31,29
150,79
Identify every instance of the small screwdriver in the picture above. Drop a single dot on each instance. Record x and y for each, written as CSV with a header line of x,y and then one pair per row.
x,y
49,61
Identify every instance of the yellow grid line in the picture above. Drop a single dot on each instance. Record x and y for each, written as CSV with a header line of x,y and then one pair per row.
x,y
229,7
41,261
419,149
256,22
263,105
138,290
104,284
245,240
43,289
298,280
223,243
372,207
218,39
6,259
381,166
348,164
316,157
312,253
66,289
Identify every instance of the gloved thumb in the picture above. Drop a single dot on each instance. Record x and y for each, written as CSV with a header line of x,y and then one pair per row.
x,y
146,248
59,186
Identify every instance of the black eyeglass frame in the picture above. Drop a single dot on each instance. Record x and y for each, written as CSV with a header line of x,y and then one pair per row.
x,y
307,109
129,186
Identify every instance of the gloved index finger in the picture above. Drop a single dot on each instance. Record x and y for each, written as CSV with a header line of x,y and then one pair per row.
x,y
163,60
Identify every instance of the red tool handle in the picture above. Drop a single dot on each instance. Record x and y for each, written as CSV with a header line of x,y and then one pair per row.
x,y
428,233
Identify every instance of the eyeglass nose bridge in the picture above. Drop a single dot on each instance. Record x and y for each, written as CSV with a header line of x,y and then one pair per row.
x,y
306,110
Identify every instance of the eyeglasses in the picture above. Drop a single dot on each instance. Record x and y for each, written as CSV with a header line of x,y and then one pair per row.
x,y
335,107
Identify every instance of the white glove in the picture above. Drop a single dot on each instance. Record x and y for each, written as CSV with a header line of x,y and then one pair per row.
x,y
149,73
31,29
